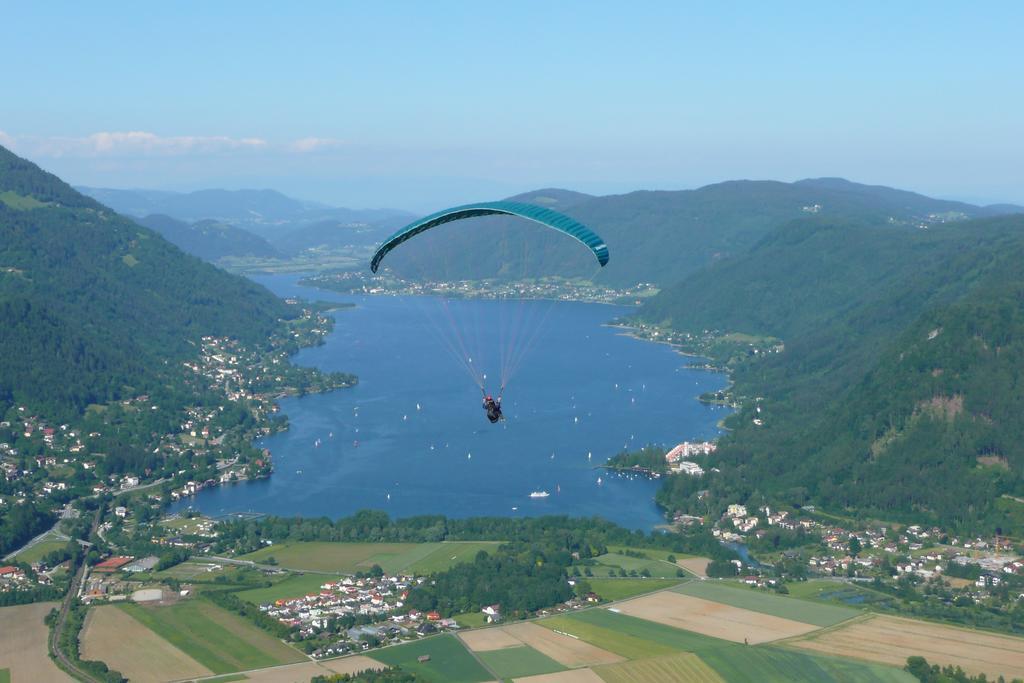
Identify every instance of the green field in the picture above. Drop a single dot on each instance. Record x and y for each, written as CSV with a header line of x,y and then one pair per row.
x,y
756,600
658,568
229,678
670,669
342,557
617,589
450,554
349,558
638,639
471,619
514,662
838,593
36,552
653,553
20,203
450,662
761,664
216,638
628,636
5,676
294,586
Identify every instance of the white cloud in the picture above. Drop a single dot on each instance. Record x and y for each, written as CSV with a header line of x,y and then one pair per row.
x,y
313,144
118,143
136,143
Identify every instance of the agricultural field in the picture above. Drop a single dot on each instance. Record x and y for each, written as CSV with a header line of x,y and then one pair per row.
x,y
348,558
670,669
890,640
292,586
345,558
40,550
659,569
150,657
618,589
23,637
450,554
742,664
214,637
571,676
698,566
5,676
844,594
628,636
194,571
517,662
738,595
566,650
450,662
713,619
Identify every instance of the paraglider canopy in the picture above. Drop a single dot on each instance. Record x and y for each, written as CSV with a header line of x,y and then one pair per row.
x,y
538,214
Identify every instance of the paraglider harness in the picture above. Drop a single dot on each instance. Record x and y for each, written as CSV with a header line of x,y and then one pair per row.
x,y
493,408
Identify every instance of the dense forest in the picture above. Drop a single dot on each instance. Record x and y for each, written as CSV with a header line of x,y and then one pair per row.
x,y
95,308
900,371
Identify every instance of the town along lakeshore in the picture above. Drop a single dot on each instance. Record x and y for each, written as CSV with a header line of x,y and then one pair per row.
x,y
411,437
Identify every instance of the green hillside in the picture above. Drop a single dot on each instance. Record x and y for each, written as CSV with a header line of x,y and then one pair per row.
x,y
865,409
210,240
94,307
659,237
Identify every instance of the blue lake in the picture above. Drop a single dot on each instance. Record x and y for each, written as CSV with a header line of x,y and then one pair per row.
x,y
412,439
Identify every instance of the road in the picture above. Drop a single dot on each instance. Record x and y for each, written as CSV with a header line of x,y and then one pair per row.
x,y
54,642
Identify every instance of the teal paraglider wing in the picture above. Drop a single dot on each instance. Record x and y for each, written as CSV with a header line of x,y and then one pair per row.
x,y
538,214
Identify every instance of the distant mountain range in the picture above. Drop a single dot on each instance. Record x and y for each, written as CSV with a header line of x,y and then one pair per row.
x,y
660,237
266,213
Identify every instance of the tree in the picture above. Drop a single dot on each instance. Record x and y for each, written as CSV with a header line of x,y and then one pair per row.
x,y
854,546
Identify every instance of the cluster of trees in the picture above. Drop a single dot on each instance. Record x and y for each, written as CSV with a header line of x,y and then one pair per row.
x,y
520,587
933,673
20,523
392,675
559,539
649,457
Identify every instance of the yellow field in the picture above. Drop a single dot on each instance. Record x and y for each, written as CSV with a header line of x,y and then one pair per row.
x,y
695,565
23,637
565,650
112,636
487,639
712,618
890,640
682,667
575,676
301,673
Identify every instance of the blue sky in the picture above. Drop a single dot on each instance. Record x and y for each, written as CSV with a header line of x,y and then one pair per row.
x,y
421,104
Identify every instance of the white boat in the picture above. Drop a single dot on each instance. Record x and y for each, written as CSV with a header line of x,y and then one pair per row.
x,y
539,494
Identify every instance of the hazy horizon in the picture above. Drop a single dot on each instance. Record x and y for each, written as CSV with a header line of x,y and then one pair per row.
x,y
415,106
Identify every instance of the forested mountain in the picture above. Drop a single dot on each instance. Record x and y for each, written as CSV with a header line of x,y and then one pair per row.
x,y
94,307
899,374
208,239
659,237
266,213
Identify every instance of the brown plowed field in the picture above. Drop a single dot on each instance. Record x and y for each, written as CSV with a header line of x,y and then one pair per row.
x,y
713,618
891,640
